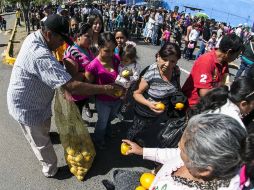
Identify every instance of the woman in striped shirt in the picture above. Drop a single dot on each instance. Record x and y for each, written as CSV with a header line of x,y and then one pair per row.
x,y
159,82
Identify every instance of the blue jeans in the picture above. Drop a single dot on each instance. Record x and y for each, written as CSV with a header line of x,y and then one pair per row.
x,y
244,67
106,113
111,25
155,34
201,49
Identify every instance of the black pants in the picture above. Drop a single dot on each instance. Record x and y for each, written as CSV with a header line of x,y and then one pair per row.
x,y
81,104
144,130
189,52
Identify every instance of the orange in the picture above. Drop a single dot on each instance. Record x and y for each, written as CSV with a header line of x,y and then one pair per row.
x,y
146,180
118,93
160,106
124,148
125,73
80,178
179,106
140,188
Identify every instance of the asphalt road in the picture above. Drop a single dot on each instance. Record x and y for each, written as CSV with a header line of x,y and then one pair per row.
x,y
20,170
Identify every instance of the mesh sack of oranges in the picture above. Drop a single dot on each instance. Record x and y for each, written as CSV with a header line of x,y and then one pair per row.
x,y
78,147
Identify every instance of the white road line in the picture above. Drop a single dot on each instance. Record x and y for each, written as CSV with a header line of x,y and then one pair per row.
x,y
185,71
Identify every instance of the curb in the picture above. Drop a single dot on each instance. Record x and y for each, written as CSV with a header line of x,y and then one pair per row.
x,y
7,58
10,13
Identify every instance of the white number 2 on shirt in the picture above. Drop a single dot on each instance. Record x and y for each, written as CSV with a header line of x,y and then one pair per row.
x,y
203,78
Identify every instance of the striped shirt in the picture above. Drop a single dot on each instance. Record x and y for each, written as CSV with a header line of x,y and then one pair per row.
x,y
35,76
158,88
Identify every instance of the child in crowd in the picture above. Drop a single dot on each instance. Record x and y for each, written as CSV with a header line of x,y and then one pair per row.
x,y
129,72
165,35
236,101
128,69
159,82
211,44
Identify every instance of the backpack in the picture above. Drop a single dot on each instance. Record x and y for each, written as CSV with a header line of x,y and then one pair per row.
x,y
135,85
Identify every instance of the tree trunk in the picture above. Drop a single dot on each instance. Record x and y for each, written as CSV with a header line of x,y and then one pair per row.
x,y
26,7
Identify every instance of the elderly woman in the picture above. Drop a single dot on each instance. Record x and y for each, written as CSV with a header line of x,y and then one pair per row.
x,y
208,156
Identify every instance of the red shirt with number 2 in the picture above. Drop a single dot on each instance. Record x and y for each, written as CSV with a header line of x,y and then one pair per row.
x,y
206,73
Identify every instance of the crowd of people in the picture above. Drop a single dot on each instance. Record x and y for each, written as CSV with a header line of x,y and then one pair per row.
x,y
89,53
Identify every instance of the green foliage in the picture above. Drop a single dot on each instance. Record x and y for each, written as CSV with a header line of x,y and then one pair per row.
x,y
26,2
12,2
41,2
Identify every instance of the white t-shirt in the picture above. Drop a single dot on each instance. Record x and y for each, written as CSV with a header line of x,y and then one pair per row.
x,y
230,109
134,67
194,34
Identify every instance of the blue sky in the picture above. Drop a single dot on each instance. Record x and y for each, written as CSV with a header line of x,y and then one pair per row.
x,y
232,11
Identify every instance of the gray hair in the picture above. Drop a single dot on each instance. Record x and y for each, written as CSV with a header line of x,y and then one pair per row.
x,y
214,140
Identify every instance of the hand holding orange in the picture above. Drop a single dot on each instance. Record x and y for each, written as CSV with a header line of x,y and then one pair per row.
x,y
124,148
160,106
126,73
118,93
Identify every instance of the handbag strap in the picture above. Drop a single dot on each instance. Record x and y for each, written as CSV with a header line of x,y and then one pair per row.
x,y
251,47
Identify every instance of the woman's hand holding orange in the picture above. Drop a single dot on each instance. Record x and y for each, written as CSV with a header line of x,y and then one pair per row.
x,y
134,148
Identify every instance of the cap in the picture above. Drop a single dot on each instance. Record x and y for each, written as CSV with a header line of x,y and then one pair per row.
x,y
49,6
240,25
59,25
62,8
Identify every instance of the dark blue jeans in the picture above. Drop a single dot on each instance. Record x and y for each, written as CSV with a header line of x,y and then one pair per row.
x,y
244,67
201,50
155,36
106,112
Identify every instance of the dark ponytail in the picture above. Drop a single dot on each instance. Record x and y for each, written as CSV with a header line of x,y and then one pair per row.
x,y
84,28
242,89
214,99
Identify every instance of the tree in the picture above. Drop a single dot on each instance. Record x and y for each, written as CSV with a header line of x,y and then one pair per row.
x,y
25,5
41,2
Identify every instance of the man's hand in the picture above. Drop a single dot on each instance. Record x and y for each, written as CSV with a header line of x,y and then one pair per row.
x,y
113,90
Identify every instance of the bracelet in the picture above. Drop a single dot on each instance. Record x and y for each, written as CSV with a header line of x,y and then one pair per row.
x,y
107,87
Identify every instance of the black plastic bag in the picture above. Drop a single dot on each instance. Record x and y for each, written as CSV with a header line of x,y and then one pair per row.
x,y
172,132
